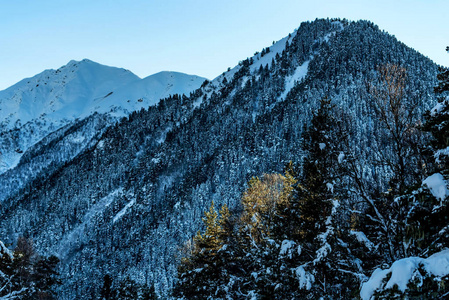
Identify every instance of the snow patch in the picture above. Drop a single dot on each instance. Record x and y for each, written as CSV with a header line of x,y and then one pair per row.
x,y
286,248
441,152
276,48
404,270
122,212
290,81
439,107
305,278
341,157
437,186
361,237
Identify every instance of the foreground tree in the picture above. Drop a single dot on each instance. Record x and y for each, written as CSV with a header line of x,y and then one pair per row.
x,y
202,271
26,275
422,222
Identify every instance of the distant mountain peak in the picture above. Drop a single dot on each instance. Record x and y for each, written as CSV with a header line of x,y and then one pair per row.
x,y
78,89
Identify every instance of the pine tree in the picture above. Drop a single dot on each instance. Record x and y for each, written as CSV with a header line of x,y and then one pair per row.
x,y
45,277
127,289
305,214
308,230
148,293
106,291
200,274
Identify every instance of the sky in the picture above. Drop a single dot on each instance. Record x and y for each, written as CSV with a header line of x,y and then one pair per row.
x,y
200,37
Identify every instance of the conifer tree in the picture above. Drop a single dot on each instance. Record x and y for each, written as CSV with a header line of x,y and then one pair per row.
x,y
309,234
200,273
106,291
45,277
305,214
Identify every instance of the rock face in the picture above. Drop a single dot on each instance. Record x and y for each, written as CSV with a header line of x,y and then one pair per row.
x,y
125,201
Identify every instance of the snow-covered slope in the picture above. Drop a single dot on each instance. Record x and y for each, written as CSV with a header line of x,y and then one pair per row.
x,y
145,92
37,106
60,94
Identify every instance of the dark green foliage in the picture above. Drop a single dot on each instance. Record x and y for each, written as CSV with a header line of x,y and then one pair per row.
x,y
27,275
437,121
106,291
202,271
46,277
312,198
443,80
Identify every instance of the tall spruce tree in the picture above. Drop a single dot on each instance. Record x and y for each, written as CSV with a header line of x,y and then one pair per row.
x,y
200,273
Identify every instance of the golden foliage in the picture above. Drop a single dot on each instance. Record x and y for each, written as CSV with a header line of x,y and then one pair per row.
x,y
260,201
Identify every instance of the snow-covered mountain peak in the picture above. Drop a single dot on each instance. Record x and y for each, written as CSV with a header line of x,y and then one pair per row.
x,y
62,92
53,98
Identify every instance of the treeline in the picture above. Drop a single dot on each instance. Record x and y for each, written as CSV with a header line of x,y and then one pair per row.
x,y
320,230
24,274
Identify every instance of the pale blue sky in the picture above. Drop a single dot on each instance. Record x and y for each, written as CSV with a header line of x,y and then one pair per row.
x,y
192,36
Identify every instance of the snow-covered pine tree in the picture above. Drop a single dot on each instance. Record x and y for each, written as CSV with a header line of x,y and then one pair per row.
x,y
201,272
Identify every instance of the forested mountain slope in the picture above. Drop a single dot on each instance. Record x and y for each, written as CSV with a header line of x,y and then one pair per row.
x,y
127,204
